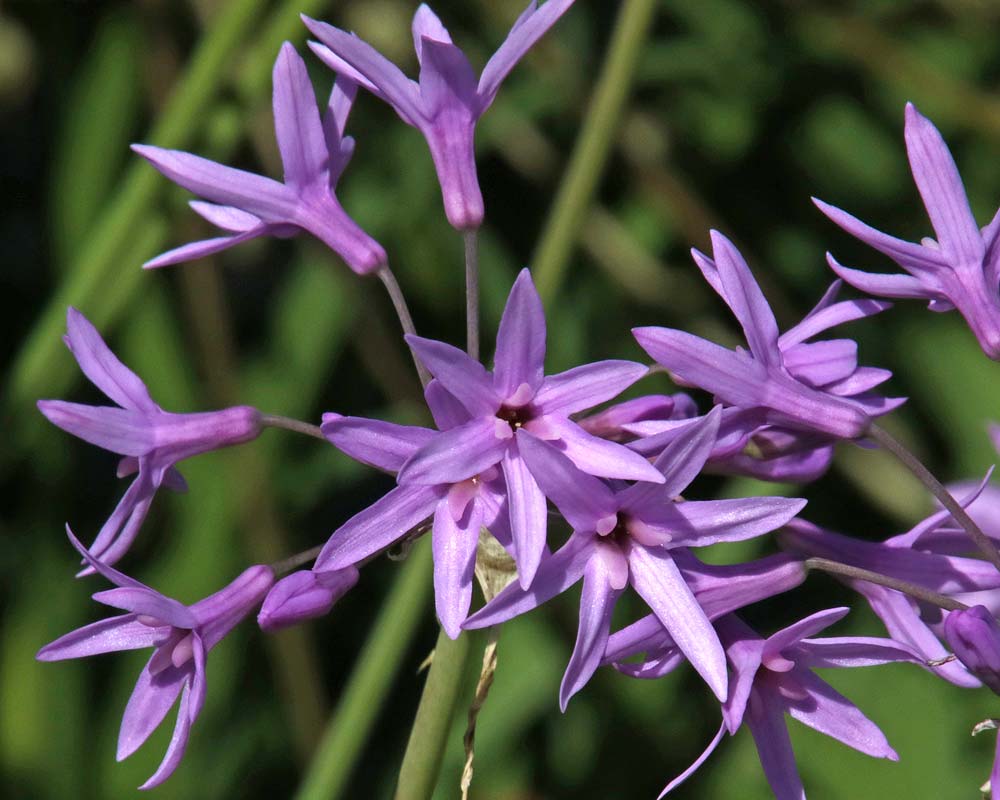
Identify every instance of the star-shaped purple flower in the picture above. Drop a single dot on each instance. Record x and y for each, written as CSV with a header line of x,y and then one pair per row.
x,y
815,386
512,403
961,268
625,537
182,637
150,439
314,152
448,100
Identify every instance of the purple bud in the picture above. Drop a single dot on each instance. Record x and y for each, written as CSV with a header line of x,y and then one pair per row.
x,y
304,595
974,637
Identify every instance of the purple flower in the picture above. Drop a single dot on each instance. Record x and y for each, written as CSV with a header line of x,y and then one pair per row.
x,y
459,508
815,386
961,269
448,100
773,677
150,439
626,537
615,421
181,635
303,595
314,152
512,403
974,638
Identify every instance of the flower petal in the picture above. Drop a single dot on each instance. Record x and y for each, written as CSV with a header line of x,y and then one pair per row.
x,y
383,445
528,515
696,764
113,575
151,699
447,82
902,286
697,523
766,721
178,742
149,603
821,363
447,411
463,377
520,354
456,454
205,247
104,636
455,544
334,121
597,456
828,316
297,125
119,430
808,626
589,385
427,24
853,651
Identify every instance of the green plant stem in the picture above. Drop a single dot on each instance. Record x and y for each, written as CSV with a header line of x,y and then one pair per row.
x,y
372,676
593,146
471,240
859,574
425,748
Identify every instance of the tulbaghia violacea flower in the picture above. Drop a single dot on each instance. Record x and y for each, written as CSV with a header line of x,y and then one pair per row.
x,y
150,439
625,537
974,638
182,637
814,386
304,594
314,152
459,509
515,401
448,100
773,677
961,268
614,422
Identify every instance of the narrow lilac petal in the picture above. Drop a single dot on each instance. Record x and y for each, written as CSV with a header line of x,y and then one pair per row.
x,y
709,271
941,188
427,24
528,516
226,217
829,316
803,467
724,588
345,70
150,701
492,498
119,430
394,87
377,527
383,445
456,454
643,635
659,582
127,516
203,248
447,81
853,651
104,636
745,656
148,603
766,721
597,456
863,379
679,463
447,411
296,122
610,422
582,499
597,602
697,523
912,257
808,626
198,682
262,197
830,713
528,29
102,367
113,575
178,742
820,363
654,669
589,385
745,298
902,286
455,544
695,764
463,377
555,575
520,354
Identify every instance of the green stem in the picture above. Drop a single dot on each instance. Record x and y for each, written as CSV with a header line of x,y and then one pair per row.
x,y
593,146
371,679
422,762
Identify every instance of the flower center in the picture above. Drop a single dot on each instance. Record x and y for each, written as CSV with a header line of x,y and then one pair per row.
x,y
515,417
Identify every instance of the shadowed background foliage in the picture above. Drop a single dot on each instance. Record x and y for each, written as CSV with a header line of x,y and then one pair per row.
x,y
735,114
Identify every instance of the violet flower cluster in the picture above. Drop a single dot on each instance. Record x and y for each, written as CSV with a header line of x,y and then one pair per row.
x,y
573,489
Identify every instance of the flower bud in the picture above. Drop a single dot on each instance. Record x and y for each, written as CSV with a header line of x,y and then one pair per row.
x,y
974,637
304,595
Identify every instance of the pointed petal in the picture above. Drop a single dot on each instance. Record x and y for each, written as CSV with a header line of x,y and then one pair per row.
x,y
745,298
148,603
126,518
104,636
822,363
597,456
589,385
766,721
696,764
827,317
296,122
178,742
150,701
113,575
902,286
528,29
528,515
555,575
383,445
377,527
520,355
447,411
262,197
597,602
941,188
582,499
808,626
463,377
829,712
203,248
198,683
426,24
698,523
345,70
225,217
863,379
853,651
119,430
447,83
656,578
456,454
455,544
102,367
334,121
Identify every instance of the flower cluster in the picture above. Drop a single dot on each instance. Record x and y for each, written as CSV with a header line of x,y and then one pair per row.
x,y
575,490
